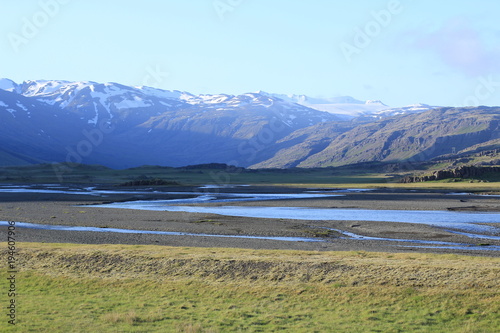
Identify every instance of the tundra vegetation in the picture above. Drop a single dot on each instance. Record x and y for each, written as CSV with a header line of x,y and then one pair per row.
x,y
125,288
436,174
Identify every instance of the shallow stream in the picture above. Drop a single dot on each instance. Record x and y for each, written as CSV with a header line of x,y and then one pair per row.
x,y
471,225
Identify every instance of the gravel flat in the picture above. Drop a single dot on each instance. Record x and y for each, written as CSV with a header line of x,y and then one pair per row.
x,y
73,210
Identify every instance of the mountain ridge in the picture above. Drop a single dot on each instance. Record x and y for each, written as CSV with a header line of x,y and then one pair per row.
x,y
149,125
121,126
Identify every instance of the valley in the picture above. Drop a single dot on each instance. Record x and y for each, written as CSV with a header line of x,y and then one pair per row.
x,y
150,208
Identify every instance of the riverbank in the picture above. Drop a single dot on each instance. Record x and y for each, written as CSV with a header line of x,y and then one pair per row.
x,y
74,210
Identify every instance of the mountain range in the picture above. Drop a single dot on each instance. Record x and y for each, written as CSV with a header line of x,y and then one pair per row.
x,y
120,126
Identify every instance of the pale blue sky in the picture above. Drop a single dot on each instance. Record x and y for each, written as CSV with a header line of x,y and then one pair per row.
x,y
436,52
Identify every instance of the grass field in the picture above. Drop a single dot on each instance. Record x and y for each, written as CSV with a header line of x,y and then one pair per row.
x,y
458,186
97,174
124,288
343,177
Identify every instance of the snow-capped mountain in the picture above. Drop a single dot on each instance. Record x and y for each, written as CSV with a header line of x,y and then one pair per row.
x,y
94,101
307,100
347,107
122,126
112,98
149,126
351,110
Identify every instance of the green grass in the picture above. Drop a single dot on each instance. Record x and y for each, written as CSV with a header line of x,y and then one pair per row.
x,y
458,186
61,304
319,178
342,177
470,129
85,288
96,174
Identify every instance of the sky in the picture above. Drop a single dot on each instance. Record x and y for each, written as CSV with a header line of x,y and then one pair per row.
x,y
443,53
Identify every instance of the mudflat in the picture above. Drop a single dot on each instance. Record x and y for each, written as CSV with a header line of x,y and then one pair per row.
x,y
74,210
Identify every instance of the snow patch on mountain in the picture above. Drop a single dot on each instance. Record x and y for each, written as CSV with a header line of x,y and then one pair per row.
x,y
309,101
415,108
350,110
53,92
48,89
21,106
96,118
164,94
136,102
375,102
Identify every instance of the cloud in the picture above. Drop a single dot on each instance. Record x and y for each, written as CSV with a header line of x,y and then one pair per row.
x,y
461,47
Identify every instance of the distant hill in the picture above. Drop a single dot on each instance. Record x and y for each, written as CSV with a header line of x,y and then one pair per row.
x,y
412,137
